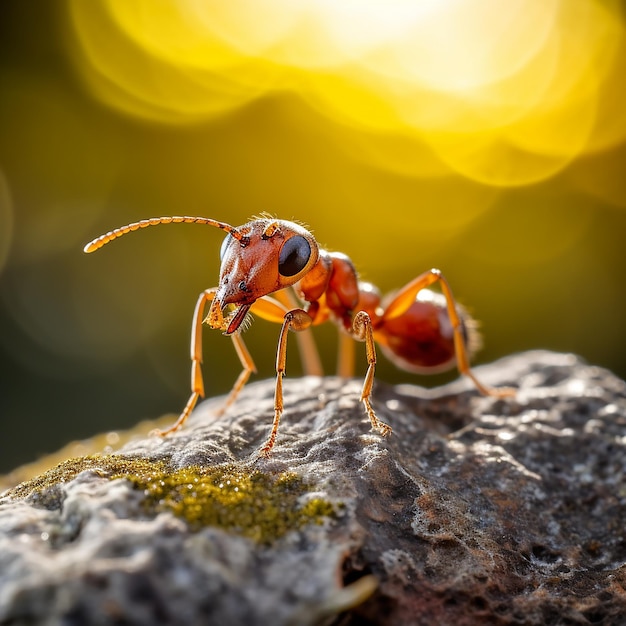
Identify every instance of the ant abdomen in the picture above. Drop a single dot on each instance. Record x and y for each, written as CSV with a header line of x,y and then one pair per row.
x,y
421,340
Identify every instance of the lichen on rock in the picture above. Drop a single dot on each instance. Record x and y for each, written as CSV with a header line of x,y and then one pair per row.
x,y
475,510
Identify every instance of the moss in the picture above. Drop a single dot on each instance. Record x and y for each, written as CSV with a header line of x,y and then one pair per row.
x,y
106,465
245,501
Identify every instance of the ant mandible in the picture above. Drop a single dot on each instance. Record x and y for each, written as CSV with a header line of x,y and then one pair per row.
x,y
418,329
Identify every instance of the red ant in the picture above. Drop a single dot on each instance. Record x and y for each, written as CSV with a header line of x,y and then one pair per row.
x,y
418,329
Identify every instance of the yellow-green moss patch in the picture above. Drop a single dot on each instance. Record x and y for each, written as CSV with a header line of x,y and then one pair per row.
x,y
106,465
245,501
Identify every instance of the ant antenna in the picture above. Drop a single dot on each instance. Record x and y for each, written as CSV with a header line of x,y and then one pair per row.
x,y
97,243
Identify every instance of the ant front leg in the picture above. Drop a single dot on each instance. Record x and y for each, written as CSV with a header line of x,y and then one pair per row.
x,y
297,320
197,384
362,331
406,297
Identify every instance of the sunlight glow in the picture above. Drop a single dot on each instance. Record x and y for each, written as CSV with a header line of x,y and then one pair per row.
x,y
503,93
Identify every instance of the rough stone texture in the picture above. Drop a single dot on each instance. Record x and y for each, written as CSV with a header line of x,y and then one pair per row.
x,y
474,511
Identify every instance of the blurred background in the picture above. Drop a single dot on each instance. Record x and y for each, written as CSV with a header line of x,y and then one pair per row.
x,y
480,137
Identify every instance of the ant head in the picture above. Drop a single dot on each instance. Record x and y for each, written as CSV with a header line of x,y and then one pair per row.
x,y
258,258
269,255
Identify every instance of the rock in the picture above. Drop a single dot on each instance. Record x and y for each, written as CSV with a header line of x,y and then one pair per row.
x,y
473,511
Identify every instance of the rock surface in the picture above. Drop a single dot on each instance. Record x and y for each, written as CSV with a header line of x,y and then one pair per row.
x,y
474,511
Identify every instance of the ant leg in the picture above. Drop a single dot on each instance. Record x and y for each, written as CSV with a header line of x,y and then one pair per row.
x,y
274,310
197,385
266,308
345,355
405,298
309,355
248,368
362,330
297,320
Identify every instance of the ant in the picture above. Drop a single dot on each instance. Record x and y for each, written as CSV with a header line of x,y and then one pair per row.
x,y
418,329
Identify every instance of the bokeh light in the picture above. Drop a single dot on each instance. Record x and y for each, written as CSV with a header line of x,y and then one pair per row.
x,y
502,96
481,137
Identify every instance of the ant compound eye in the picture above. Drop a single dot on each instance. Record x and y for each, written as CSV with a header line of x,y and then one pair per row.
x,y
225,245
294,256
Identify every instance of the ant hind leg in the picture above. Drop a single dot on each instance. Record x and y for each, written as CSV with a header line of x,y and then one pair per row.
x,y
362,331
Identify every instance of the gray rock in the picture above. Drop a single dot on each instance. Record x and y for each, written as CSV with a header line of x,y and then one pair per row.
x,y
474,511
